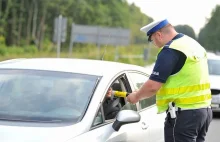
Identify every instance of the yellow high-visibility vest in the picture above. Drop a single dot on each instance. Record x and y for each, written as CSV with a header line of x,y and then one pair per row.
x,y
189,88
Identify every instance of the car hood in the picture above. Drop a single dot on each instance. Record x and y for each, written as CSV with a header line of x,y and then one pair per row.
x,y
38,133
214,81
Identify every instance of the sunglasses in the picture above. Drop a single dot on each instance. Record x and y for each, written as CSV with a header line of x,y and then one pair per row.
x,y
149,38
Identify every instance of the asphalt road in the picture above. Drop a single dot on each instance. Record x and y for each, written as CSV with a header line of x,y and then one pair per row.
x,y
213,134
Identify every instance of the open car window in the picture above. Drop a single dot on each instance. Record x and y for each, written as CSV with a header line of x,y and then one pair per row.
x,y
111,106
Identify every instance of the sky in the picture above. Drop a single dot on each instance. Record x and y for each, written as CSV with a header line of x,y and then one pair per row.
x,y
179,12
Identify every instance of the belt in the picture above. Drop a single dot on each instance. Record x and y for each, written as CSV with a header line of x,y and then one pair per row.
x,y
182,109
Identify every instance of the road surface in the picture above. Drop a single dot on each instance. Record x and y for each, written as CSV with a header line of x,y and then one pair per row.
x,y
213,134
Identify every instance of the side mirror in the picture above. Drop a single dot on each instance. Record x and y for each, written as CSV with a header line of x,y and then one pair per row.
x,y
125,117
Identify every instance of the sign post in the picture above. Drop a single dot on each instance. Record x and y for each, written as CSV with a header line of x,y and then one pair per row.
x,y
60,27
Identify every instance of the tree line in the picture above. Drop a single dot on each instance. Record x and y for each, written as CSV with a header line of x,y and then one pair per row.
x,y
25,22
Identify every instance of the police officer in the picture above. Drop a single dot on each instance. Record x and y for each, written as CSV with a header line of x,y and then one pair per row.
x,y
180,78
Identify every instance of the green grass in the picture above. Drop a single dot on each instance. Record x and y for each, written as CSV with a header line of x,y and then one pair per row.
x,y
108,53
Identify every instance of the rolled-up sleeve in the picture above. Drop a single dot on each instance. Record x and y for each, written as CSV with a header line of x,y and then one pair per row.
x,y
165,64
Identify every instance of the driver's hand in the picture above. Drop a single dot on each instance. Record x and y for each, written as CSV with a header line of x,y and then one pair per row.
x,y
109,93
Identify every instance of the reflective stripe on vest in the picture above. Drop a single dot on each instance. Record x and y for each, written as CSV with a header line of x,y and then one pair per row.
x,y
185,89
188,100
190,87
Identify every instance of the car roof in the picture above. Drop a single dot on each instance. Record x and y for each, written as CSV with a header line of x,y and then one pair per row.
x,y
84,66
213,56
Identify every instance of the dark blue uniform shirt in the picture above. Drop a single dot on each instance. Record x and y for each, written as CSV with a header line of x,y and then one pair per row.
x,y
169,61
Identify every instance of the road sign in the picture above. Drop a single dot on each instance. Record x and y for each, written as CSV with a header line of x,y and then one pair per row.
x,y
100,35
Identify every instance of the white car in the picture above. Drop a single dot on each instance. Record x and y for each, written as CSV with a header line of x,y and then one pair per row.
x,y
61,100
214,71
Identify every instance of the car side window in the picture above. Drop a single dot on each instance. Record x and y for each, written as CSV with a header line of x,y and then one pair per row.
x,y
98,119
112,105
127,88
138,79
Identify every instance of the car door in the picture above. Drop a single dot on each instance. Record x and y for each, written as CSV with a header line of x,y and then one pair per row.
x,y
131,132
150,120
102,128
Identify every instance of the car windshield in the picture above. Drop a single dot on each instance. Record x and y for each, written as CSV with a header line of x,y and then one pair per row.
x,y
44,96
214,67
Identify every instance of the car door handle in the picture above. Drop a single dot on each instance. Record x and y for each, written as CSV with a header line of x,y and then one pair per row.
x,y
144,126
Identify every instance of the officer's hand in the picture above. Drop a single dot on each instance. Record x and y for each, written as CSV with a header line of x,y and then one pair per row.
x,y
132,98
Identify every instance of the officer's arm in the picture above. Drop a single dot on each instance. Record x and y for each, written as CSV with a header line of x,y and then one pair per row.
x,y
149,89
164,67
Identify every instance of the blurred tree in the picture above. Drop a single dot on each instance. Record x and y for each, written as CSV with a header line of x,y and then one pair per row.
x,y
186,29
23,22
138,20
209,35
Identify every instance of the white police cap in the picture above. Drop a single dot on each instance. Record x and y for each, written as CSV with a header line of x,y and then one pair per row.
x,y
153,27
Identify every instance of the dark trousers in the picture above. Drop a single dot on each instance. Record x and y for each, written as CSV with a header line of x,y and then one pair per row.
x,y
188,126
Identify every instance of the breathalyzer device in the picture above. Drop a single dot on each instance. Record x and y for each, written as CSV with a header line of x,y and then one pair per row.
x,y
120,94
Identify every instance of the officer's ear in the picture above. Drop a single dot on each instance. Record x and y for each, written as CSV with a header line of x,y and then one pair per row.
x,y
159,35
